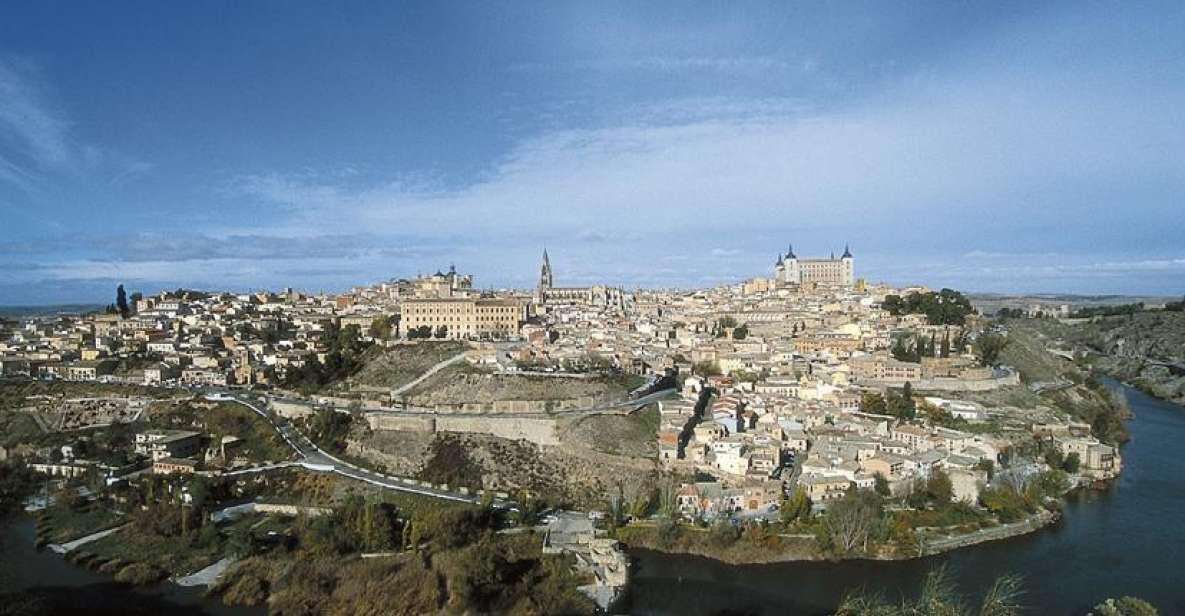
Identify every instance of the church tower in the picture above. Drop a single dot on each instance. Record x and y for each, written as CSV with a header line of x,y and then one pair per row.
x,y
849,274
545,273
792,274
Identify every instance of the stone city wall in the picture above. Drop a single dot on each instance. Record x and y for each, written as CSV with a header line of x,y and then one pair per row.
x,y
541,431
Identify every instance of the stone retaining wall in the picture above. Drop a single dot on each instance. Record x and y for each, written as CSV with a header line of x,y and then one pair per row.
x,y
541,431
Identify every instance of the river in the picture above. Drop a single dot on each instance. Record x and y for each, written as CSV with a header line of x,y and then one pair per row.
x,y
75,590
1126,540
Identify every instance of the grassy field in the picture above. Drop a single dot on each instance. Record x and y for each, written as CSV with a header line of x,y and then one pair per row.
x,y
402,364
17,428
60,524
260,442
629,435
166,555
463,383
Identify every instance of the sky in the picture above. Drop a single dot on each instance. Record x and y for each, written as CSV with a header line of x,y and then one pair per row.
x,y
990,147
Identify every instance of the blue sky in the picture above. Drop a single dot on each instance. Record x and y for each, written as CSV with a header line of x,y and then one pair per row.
x,y
241,145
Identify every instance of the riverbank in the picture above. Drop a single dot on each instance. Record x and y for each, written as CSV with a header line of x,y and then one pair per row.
x,y
1114,541
37,581
774,548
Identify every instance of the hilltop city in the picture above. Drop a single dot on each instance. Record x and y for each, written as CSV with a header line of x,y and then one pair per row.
x,y
757,421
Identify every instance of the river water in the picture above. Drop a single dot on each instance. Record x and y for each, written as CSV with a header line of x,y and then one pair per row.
x,y
1126,540
74,590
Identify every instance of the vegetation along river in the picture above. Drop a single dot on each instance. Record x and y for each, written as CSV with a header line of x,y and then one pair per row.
x,y
1128,539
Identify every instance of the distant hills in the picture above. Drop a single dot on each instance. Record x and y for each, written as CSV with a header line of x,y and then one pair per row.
x,y
47,310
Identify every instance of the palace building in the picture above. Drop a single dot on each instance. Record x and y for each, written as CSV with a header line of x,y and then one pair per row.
x,y
831,272
465,317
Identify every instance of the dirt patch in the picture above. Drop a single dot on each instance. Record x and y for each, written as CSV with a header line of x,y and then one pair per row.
x,y
462,383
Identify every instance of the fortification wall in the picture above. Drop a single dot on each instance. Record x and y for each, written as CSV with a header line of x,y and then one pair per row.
x,y
538,431
541,431
387,421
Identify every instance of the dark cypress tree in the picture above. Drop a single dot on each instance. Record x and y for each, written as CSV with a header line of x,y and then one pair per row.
x,y
121,302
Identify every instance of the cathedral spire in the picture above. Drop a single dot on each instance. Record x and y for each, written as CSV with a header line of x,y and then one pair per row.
x,y
545,272
790,252
847,253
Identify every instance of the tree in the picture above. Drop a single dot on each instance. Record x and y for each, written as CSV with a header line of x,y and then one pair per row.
x,y
873,402
989,346
945,350
723,533
851,520
1054,458
939,597
1125,606
380,327
797,508
121,302
442,331
706,368
1071,463
939,489
741,332
882,485
900,351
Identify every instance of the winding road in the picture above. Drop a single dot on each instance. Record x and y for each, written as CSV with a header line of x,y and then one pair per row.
x,y
312,457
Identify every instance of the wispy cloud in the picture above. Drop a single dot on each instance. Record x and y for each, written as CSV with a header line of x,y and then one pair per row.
x,y
36,139
29,122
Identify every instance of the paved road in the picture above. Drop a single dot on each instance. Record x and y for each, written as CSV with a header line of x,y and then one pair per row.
x,y
314,458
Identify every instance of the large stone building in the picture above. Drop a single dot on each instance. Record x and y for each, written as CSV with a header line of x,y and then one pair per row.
x,y
598,295
464,317
831,272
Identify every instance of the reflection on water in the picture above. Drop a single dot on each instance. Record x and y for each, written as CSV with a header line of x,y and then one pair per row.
x,y
1124,540
62,588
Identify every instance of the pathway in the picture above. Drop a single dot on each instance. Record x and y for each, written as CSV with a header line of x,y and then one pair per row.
x,y
207,576
431,371
62,548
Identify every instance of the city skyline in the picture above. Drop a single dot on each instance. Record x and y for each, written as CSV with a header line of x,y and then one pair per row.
x,y
265,146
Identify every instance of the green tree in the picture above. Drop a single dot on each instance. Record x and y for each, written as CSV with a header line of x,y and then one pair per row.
x,y
741,332
723,533
121,302
1071,463
872,402
900,351
939,489
796,508
882,485
706,368
381,327
989,346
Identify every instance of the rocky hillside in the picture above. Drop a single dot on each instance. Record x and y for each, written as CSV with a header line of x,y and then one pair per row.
x,y
1133,348
1128,348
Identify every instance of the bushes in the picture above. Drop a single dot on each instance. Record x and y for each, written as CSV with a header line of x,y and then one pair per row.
x,y
1007,504
723,533
140,574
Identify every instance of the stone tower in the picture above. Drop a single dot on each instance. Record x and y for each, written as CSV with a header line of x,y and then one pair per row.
x,y
545,273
